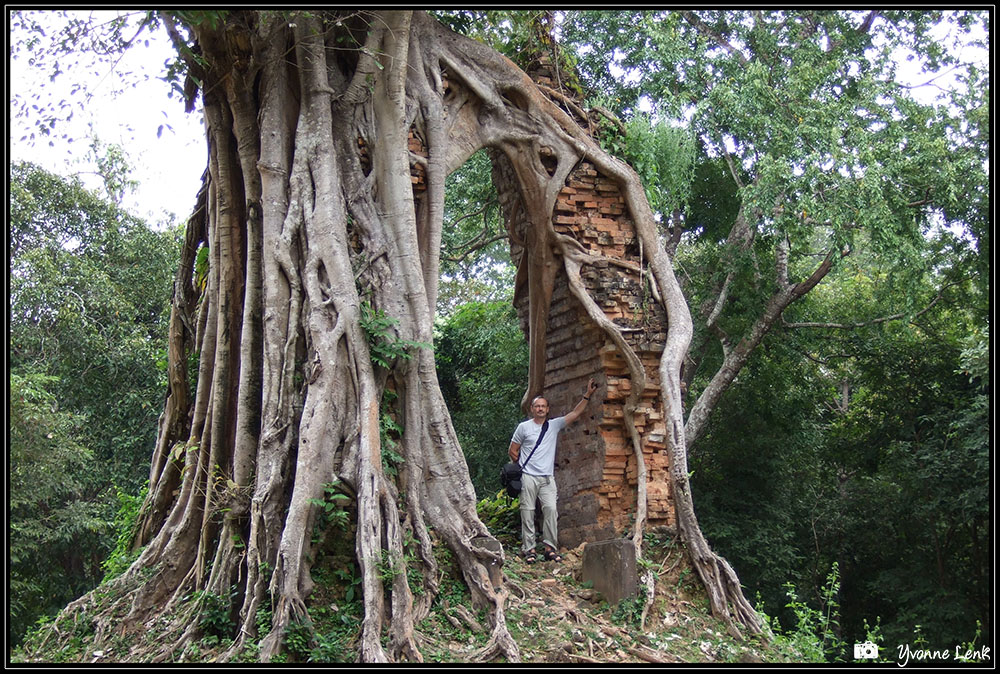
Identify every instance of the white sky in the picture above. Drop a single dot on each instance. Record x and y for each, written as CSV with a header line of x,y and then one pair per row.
x,y
168,168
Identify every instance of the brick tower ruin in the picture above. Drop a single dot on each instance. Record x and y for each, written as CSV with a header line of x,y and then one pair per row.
x,y
596,469
596,465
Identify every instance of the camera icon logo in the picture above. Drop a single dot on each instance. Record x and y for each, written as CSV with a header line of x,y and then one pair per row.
x,y
865,651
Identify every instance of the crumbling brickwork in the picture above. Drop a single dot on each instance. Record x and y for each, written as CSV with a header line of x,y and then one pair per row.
x,y
596,467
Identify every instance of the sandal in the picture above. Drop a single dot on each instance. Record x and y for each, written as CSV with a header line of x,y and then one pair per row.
x,y
529,557
552,555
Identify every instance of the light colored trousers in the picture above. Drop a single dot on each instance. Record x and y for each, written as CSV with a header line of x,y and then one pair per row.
x,y
544,490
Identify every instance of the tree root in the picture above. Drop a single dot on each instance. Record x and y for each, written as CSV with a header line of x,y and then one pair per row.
x,y
288,612
501,644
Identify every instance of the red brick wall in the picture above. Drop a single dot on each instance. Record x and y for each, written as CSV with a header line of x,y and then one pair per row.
x,y
596,467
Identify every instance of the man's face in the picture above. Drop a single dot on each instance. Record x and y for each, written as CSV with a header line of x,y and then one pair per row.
x,y
540,408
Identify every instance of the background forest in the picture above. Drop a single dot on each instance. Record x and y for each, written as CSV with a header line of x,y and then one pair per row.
x,y
847,462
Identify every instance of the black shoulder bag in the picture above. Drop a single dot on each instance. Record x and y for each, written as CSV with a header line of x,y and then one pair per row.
x,y
510,474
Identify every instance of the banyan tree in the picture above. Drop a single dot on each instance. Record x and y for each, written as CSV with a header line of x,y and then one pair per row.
x,y
307,226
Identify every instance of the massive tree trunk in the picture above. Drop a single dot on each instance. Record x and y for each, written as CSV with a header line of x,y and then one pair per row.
x,y
310,224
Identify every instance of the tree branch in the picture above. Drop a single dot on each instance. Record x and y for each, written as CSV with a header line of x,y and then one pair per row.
x,y
608,115
865,27
736,359
478,245
566,100
729,163
719,39
869,20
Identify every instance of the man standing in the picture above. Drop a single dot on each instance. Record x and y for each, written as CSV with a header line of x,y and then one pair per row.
x,y
537,477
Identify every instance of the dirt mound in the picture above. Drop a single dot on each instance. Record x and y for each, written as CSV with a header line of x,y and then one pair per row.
x,y
555,617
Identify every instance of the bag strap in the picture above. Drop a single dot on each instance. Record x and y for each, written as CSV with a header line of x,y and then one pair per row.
x,y
545,427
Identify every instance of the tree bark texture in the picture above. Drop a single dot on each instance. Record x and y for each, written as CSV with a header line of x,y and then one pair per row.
x,y
310,222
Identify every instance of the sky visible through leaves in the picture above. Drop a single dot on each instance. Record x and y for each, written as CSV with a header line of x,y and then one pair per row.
x,y
123,103
126,103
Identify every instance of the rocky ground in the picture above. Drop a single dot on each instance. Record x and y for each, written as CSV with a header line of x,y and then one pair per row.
x,y
552,614
557,618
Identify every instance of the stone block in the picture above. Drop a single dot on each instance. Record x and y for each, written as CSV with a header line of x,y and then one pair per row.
x,y
591,209
573,536
610,566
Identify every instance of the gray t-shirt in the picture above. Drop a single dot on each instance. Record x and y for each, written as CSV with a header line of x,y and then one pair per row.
x,y
544,458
